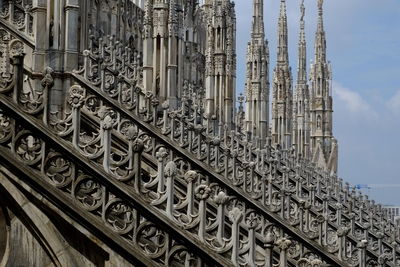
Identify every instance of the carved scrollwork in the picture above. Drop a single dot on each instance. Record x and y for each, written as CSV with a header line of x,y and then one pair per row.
x,y
28,147
179,256
151,240
32,100
88,192
119,216
60,170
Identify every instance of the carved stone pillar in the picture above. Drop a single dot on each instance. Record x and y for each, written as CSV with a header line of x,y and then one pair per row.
x,y
75,100
170,172
235,216
362,247
269,246
71,34
18,63
40,34
283,245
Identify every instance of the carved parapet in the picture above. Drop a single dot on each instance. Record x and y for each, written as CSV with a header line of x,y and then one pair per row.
x,y
19,17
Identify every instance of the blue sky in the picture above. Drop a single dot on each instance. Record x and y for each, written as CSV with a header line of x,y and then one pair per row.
x,y
363,38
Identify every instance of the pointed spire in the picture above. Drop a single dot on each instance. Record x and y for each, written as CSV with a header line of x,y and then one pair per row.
x,y
283,54
302,64
320,16
258,18
320,39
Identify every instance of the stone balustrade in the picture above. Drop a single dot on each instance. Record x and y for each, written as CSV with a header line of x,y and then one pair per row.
x,y
80,158
340,206
224,190
18,14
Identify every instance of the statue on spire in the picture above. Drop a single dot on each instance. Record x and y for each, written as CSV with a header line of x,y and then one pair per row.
x,y
303,10
257,80
320,3
320,7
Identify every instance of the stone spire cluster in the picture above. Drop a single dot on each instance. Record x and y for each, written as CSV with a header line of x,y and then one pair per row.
x,y
301,120
301,102
257,77
220,61
323,144
282,98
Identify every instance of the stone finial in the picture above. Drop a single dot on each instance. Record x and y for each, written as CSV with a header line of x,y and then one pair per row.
x,y
221,198
130,132
235,215
191,176
270,238
171,169
342,231
108,122
138,145
362,244
283,243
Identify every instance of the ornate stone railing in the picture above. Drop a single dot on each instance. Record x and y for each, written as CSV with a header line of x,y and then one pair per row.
x,y
69,169
295,201
153,118
17,15
158,146
333,204
211,212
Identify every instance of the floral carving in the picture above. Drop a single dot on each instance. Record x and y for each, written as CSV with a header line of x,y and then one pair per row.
x,y
76,96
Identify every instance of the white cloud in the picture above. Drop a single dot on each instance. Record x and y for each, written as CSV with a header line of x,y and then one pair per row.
x,y
353,101
394,103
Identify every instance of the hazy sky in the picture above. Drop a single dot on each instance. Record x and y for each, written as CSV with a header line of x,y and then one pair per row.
x,y
363,38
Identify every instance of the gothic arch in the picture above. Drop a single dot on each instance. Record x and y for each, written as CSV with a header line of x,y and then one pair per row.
x,y
37,223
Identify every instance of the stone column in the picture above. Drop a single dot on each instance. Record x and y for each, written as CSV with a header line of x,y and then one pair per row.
x,y
172,71
263,126
71,34
84,33
40,34
18,63
248,113
210,80
163,68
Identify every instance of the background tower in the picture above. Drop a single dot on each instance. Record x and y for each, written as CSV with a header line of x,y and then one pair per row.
x,y
323,144
221,60
282,87
257,78
164,34
301,106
